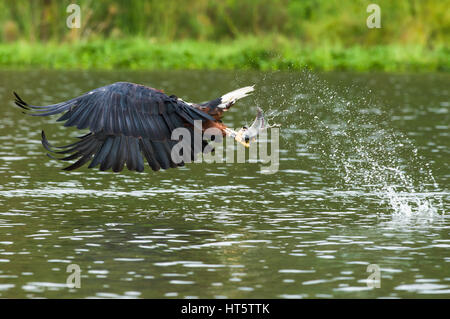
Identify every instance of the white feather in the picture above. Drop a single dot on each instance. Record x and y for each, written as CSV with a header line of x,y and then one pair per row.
x,y
231,97
180,99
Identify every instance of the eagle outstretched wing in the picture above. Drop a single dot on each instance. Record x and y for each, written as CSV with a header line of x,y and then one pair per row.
x,y
127,122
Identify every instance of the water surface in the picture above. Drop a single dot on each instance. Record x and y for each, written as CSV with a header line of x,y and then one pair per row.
x,y
363,179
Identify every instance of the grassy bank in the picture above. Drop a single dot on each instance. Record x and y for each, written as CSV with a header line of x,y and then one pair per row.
x,y
244,53
309,21
229,34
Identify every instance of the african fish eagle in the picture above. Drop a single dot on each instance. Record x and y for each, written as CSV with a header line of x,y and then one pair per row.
x,y
128,122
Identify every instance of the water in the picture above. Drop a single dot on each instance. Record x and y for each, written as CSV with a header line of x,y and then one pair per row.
x,y
363,179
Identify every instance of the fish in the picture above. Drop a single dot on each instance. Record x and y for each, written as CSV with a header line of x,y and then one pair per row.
x,y
247,135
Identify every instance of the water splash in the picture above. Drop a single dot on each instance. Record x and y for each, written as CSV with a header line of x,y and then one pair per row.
x,y
409,204
354,137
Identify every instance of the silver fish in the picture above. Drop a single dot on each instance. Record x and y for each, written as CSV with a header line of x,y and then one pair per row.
x,y
246,135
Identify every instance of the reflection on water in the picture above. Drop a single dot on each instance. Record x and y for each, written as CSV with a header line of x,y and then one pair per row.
x,y
362,180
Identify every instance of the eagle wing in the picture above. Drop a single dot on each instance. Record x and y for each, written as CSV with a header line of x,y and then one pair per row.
x,y
127,122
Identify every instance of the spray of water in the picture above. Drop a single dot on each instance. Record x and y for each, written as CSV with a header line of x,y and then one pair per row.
x,y
355,139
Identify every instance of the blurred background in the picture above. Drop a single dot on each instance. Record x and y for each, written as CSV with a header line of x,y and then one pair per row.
x,y
231,34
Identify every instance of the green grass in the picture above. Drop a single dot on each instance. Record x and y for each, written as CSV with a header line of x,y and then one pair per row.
x,y
258,53
228,34
422,22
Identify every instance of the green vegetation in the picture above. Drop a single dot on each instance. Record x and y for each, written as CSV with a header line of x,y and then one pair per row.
x,y
231,34
245,53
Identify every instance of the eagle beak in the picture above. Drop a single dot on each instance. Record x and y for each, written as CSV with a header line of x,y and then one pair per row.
x,y
238,137
246,144
241,139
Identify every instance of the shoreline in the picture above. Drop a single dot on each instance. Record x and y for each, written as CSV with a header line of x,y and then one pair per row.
x,y
251,53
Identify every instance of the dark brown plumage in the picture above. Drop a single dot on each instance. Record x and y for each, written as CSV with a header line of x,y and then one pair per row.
x,y
127,122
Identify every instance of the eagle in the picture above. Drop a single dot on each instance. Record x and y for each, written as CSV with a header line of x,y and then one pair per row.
x,y
128,122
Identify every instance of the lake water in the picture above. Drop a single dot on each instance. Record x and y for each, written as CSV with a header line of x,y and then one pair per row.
x,y
363,180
